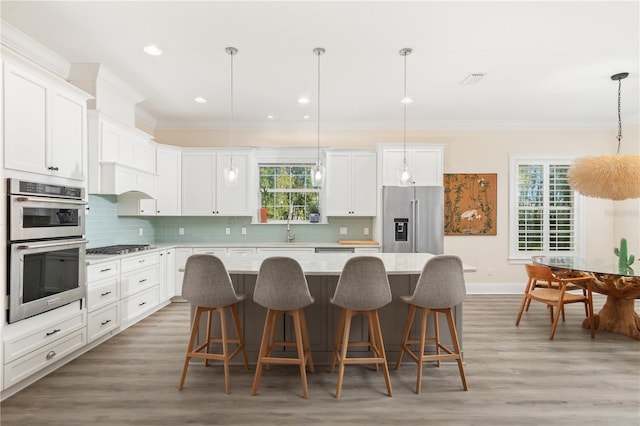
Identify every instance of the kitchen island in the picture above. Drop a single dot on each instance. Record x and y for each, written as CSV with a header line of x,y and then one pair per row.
x,y
322,271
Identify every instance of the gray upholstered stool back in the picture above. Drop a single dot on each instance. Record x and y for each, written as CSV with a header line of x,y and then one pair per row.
x,y
207,283
363,284
281,285
441,283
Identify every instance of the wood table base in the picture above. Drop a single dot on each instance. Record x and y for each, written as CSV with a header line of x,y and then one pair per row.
x,y
617,316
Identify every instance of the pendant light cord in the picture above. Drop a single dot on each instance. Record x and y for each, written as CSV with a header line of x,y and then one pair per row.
x,y
319,53
404,103
231,130
619,137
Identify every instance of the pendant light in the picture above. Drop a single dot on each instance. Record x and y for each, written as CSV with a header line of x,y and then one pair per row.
x,y
404,175
231,171
613,177
318,171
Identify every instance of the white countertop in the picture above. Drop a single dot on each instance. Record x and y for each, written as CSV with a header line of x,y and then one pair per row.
x,y
332,263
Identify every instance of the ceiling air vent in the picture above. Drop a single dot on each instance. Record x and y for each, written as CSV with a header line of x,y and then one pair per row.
x,y
472,79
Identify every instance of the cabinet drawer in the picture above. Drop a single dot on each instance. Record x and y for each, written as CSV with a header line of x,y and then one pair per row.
x,y
102,293
19,346
102,321
29,364
133,263
139,303
102,271
216,251
137,281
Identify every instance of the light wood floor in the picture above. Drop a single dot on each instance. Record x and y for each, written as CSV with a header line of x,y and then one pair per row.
x,y
516,377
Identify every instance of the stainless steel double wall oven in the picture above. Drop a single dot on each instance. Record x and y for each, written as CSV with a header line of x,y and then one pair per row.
x,y
46,247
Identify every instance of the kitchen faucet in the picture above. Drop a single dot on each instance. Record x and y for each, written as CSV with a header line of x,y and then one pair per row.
x,y
290,236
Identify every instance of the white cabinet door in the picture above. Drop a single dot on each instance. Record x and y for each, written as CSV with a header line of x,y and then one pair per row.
x,y
169,181
351,184
232,200
182,254
338,185
167,274
425,165
198,183
67,156
25,120
364,184
204,191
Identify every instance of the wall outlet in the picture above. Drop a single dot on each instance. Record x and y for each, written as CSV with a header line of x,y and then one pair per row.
x,y
243,230
227,231
141,231
180,231
366,231
343,230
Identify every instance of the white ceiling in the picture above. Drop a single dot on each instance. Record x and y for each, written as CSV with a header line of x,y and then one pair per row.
x,y
547,63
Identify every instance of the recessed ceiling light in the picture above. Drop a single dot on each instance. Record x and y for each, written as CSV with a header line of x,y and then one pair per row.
x,y
270,117
406,100
303,100
200,100
472,79
152,50
306,117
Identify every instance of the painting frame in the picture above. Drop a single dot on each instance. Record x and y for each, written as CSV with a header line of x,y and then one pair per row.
x,y
470,203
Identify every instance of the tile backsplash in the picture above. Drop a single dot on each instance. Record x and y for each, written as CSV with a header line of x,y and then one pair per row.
x,y
105,227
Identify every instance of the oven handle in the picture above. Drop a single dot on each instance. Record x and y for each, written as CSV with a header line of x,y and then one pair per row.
x,y
52,200
56,244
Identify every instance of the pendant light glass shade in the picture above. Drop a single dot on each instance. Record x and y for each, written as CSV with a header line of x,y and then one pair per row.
x,y
613,177
231,171
404,174
318,171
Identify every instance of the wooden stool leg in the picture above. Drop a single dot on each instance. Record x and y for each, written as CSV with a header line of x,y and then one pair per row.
x,y
336,343
225,348
236,322
208,336
372,338
436,326
343,353
305,341
405,334
272,336
456,347
192,340
266,336
423,338
297,326
380,342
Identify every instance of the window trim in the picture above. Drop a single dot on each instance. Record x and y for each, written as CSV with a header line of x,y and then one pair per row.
x,y
516,256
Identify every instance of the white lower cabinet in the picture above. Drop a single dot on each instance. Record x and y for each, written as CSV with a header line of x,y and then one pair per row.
x,y
135,306
24,367
103,321
36,343
167,273
103,297
182,254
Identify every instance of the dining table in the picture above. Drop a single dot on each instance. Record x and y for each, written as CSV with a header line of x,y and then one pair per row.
x,y
620,285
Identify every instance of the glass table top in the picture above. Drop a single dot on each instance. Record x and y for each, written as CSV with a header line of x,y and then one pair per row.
x,y
600,266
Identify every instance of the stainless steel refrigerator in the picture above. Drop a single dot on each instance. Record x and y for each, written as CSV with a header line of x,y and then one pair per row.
x,y
413,219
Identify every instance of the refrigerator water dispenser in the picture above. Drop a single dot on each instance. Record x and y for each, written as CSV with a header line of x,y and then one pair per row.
x,y
401,226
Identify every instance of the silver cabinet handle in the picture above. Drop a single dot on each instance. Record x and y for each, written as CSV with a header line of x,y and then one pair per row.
x,y
50,355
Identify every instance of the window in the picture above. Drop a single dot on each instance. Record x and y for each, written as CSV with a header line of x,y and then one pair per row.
x,y
544,209
286,189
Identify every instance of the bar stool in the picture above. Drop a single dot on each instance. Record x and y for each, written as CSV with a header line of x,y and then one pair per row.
x,y
440,287
363,288
208,287
282,288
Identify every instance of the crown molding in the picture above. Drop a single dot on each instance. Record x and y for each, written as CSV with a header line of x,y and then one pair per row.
x,y
37,53
145,117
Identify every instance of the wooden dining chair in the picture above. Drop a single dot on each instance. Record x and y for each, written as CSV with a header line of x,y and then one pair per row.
x,y
555,296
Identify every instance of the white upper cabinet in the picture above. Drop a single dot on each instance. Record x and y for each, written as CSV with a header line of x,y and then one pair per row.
x,y
351,185
44,123
204,191
425,164
169,167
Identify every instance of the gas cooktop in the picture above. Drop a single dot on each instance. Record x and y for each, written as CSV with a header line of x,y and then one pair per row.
x,y
119,249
